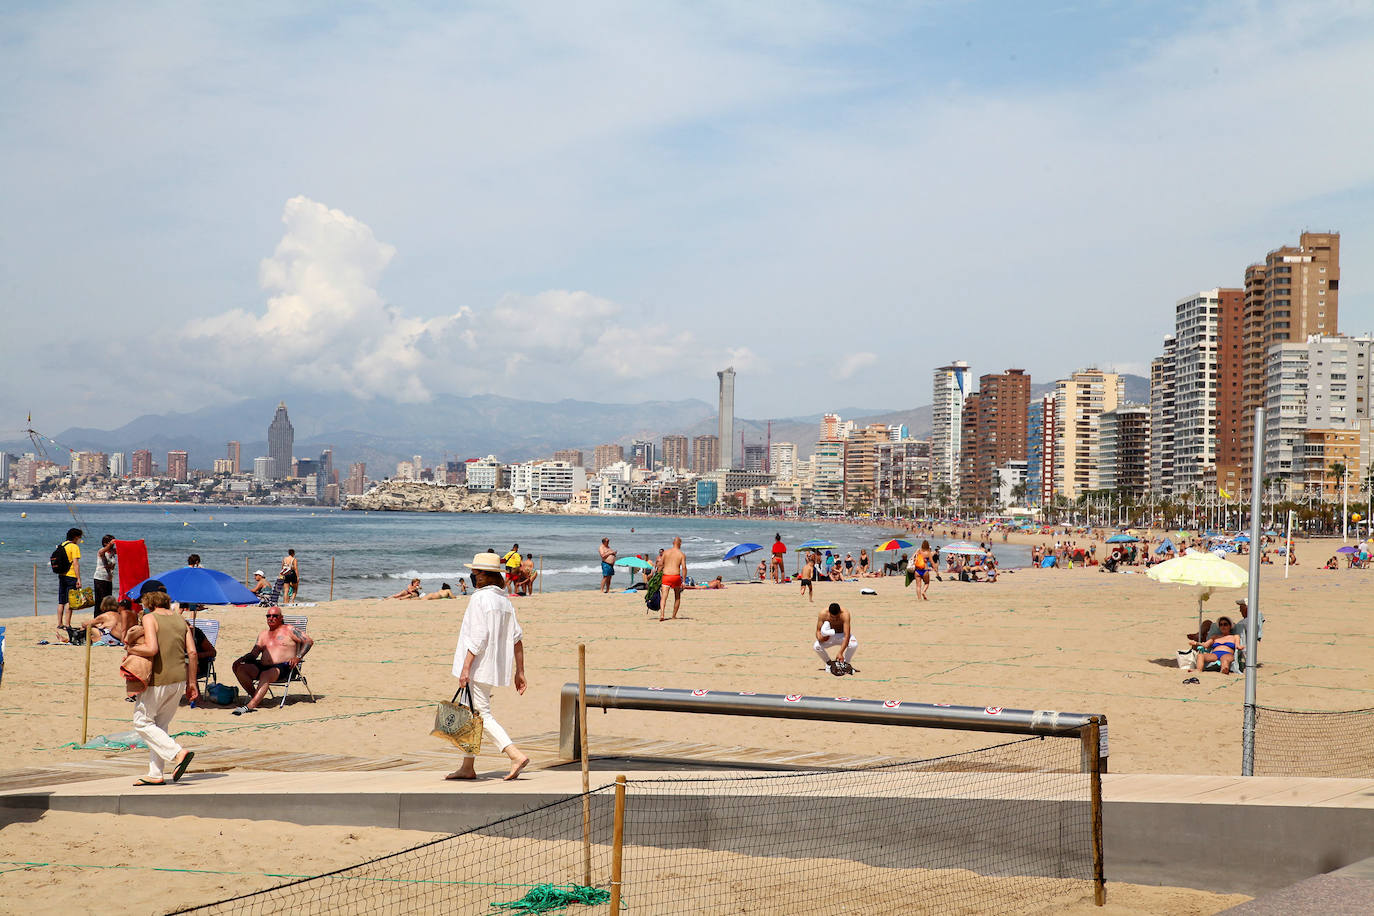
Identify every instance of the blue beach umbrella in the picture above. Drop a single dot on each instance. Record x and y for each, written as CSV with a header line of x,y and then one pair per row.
x,y
816,545
741,550
1122,539
197,585
634,563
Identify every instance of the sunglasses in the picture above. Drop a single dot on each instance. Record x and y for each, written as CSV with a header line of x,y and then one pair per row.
x,y
274,617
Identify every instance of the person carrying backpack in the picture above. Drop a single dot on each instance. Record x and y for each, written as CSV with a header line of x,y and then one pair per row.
x,y
66,563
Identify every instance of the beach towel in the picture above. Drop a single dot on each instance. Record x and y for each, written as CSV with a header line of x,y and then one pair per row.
x,y
133,565
652,599
1048,562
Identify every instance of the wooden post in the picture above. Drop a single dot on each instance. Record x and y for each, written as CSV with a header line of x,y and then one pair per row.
x,y
1091,736
331,578
247,577
617,844
586,765
86,693
35,590
541,574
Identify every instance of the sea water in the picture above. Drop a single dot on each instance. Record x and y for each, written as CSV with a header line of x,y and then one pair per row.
x,y
376,553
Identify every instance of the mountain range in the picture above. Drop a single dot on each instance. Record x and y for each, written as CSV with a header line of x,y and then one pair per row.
x,y
383,432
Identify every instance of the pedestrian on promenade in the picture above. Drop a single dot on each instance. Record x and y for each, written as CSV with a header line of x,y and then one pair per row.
x,y
490,654
167,642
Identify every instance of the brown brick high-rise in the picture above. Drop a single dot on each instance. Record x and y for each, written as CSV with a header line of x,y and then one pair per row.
x,y
993,432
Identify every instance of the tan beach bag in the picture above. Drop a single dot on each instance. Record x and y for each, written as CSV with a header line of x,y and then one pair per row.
x,y
459,724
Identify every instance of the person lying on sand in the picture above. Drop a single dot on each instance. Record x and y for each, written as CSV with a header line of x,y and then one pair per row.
x,y
410,591
445,591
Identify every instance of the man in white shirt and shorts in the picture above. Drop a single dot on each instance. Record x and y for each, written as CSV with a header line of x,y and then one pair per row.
x,y
490,654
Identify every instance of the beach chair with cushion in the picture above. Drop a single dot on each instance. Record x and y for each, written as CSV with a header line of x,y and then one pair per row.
x,y
297,675
206,672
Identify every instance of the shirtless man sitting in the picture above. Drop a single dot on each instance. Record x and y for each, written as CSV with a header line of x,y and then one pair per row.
x,y
279,649
674,575
835,627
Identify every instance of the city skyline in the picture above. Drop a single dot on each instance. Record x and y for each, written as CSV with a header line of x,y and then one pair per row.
x,y
309,257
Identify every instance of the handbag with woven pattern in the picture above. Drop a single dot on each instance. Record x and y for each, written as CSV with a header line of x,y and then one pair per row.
x,y
459,724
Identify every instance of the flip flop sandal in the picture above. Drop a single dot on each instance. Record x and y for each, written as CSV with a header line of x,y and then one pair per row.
x,y
150,782
1191,680
181,767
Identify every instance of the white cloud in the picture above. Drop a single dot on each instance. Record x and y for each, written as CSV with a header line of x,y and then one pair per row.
x,y
328,327
854,363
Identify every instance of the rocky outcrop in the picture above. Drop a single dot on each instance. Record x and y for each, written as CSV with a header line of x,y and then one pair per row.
x,y
406,496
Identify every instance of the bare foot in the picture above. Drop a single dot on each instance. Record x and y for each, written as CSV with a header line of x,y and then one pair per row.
x,y
517,768
661,619
460,773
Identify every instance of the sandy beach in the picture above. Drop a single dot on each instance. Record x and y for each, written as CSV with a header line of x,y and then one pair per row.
x,y
1071,640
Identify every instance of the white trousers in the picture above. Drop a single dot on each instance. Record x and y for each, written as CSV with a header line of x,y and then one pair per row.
x,y
153,712
481,701
833,640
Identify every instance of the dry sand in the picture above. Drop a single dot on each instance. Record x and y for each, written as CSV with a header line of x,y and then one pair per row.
x,y
1072,640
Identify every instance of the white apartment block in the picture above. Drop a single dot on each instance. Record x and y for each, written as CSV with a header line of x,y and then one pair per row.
x,y
484,475
1163,411
1196,330
1078,402
951,387
1285,411
1338,381
782,460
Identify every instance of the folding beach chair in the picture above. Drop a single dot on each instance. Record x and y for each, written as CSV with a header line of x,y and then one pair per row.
x,y
297,675
273,596
211,630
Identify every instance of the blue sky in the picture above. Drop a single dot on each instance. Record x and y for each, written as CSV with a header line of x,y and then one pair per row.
x,y
611,201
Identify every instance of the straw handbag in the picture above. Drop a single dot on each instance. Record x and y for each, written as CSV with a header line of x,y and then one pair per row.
x,y
459,724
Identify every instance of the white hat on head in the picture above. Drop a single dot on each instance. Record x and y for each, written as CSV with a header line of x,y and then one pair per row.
x,y
487,562
260,573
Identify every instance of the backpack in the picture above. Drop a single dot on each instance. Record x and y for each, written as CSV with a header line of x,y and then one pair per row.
x,y
59,560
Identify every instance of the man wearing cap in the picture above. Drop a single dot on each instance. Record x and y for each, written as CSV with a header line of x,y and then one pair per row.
x,y
278,650
490,654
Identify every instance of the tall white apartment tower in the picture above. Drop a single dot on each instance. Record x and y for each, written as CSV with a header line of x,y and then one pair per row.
x,y
951,387
1196,337
726,430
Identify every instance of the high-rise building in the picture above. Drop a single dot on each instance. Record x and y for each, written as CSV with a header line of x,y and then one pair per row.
x,y
755,457
264,469
143,463
6,460
357,479
1339,385
1079,400
1163,417
726,419
902,475
705,454
827,485
176,464
119,464
861,464
605,455
572,456
947,417
90,464
235,456
830,426
222,467
1229,382
782,458
1294,294
642,454
677,453
1124,447
281,442
1197,328
1285,414
993,433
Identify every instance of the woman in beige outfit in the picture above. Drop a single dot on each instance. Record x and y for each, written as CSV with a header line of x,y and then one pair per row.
x,y
168,643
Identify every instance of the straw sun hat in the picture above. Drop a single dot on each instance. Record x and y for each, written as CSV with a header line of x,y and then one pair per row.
x,y
487,562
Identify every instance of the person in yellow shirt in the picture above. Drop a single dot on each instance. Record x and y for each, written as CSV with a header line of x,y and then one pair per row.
x,y
512,562
68,580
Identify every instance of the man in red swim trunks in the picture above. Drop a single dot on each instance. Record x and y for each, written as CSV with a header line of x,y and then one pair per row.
x,y
674,573
779,559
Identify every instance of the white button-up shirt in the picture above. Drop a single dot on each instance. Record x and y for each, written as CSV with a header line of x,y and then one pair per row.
x,y
490,632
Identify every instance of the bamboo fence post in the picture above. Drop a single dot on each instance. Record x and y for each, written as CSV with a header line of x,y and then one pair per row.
x,y
86,693
331,578
586,765
1092,747
35,590
617,844
541,574
246,576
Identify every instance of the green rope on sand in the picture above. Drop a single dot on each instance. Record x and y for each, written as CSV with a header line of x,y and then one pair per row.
x,y
546,898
